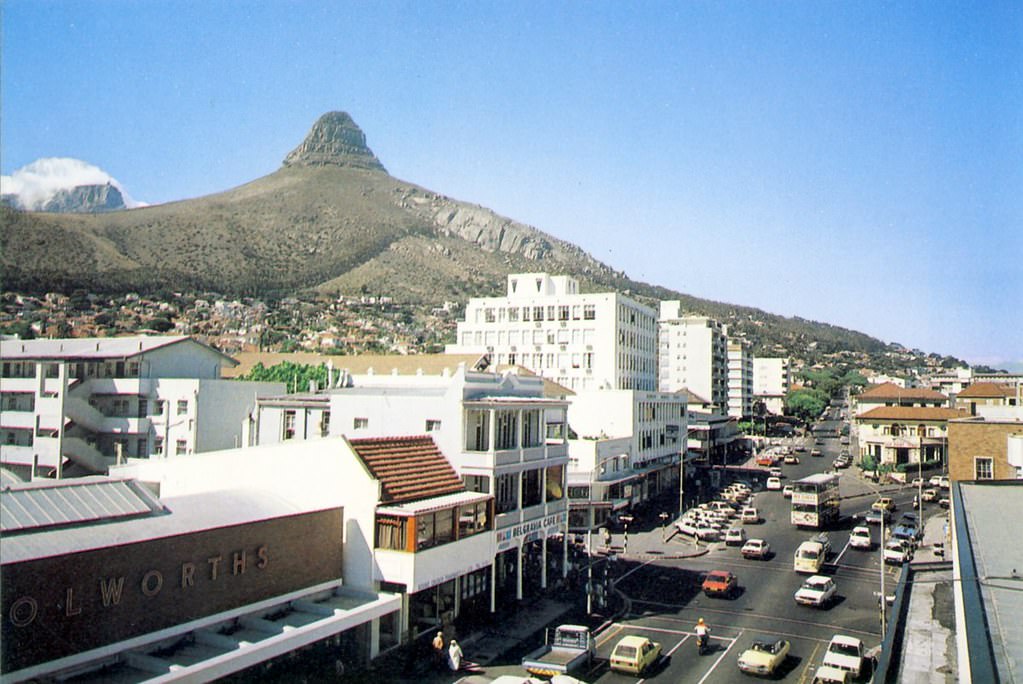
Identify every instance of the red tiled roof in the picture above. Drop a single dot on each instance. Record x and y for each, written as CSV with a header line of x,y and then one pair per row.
x,y
912,413
408,468
890,390
987,390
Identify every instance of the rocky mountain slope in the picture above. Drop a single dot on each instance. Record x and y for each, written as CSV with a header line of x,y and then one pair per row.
x,y
330,219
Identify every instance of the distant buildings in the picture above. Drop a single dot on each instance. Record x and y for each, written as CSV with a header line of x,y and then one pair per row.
x,y
692,353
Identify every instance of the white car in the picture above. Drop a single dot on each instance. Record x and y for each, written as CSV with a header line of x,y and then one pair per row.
x,y
860,538
897,552
845,653
776,472
735,536
756,549
750,515
817,591
787,491
773,484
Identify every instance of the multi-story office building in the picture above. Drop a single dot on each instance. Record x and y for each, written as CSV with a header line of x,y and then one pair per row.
x,y
581,341
499,431
771,381
740,379
83,403
692,353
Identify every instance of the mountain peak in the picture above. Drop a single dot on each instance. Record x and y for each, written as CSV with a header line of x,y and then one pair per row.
x,y
335,140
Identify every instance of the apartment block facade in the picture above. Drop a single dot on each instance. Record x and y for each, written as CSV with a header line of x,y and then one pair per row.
x,y
85,403
771,382
740,379
581,341
693,354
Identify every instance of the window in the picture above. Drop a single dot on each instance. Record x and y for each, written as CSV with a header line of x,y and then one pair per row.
x,y
531,428
472,519
488,315
506,427
432,425
180,447
563,313
537,313
513,314
589,312
424,531
551,312
477,483
324,423
182,407
506,496
555,482
360,423
579,492
143,408
477,430
160,407
390,532
142,448
289,424
532,494
158,446
984,468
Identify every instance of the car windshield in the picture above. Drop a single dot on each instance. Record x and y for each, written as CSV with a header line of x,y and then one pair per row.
x,y
625,652
813,586
767,647
844,649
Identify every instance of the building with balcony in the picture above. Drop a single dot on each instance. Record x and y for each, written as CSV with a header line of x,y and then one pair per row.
x,y
771,383
600,481
897,435
692,353
581,341
76,406
740,379
498,430
890,394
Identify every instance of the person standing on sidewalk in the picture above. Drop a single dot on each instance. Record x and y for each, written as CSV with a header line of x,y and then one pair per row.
x,y
454,656
439,657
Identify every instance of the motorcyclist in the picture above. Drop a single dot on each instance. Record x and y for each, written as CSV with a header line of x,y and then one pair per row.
x,y
702,632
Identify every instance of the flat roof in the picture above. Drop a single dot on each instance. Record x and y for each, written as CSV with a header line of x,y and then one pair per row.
x,y
985,508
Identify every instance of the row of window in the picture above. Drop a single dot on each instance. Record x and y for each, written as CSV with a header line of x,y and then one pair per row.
x,y
361,423
534,487
549,312
79,370
527,337
909,431
434,528
507,434
539,362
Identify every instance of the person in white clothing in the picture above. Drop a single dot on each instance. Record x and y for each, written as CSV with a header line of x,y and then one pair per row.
x,y
454,656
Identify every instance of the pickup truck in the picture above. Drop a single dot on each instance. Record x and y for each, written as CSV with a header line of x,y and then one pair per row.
x,y
571,649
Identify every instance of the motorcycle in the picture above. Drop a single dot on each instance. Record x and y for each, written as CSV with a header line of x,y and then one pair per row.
x,y
701,643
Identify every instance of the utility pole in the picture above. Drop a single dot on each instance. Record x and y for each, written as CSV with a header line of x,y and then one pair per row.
x,y
589,572
883,603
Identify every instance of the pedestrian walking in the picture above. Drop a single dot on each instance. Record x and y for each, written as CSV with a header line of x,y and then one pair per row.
x,y
454,656
439,658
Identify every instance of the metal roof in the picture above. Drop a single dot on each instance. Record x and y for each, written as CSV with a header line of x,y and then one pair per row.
x,y
38,505
69,348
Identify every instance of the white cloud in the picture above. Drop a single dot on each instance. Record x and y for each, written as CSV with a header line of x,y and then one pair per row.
x,y
39,181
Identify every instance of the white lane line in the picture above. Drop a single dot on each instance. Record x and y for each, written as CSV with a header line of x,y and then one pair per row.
x,y
844,549
718,661
668,654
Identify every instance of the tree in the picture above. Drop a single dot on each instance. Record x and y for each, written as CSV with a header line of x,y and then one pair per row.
x,y
295,376
805,404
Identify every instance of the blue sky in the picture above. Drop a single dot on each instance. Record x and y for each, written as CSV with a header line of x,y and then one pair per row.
x,y
858,163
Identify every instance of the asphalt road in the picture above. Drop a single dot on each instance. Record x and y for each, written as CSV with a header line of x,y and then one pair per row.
x,y
666,602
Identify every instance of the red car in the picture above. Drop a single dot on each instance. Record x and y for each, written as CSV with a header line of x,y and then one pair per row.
x,y
720,583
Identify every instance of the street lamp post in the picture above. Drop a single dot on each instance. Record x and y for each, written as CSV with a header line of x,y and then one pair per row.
x,y
664,520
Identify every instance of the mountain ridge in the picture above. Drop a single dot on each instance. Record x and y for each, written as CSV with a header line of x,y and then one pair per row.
x,y
331,219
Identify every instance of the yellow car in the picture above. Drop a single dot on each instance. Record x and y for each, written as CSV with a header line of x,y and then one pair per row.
x,y
883,504
635,655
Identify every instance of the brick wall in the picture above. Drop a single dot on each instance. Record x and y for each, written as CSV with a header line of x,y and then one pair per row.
x,y
970,439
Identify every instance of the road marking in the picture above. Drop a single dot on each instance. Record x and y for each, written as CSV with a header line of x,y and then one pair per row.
x,y
844,549
720,658
809,663
668,654
828,626
613,629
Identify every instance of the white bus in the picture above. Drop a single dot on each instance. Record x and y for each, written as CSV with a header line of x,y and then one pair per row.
x,y
815,501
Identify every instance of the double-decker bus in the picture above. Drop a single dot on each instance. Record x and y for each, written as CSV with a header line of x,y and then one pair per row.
x,y
815,501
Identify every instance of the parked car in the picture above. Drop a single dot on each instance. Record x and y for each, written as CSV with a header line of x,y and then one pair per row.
x,y
720,583
756,549
786,491
635,655
860,538
817,590
765,656
773,484
897,552
845,653
830,675
735,536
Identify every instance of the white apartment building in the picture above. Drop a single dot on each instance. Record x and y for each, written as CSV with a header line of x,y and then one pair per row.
x,y
692,354
500,433
581,341
653,422
771,381
83,403
740,379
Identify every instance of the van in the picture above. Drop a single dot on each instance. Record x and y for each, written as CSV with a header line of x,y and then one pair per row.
x,y
809,557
